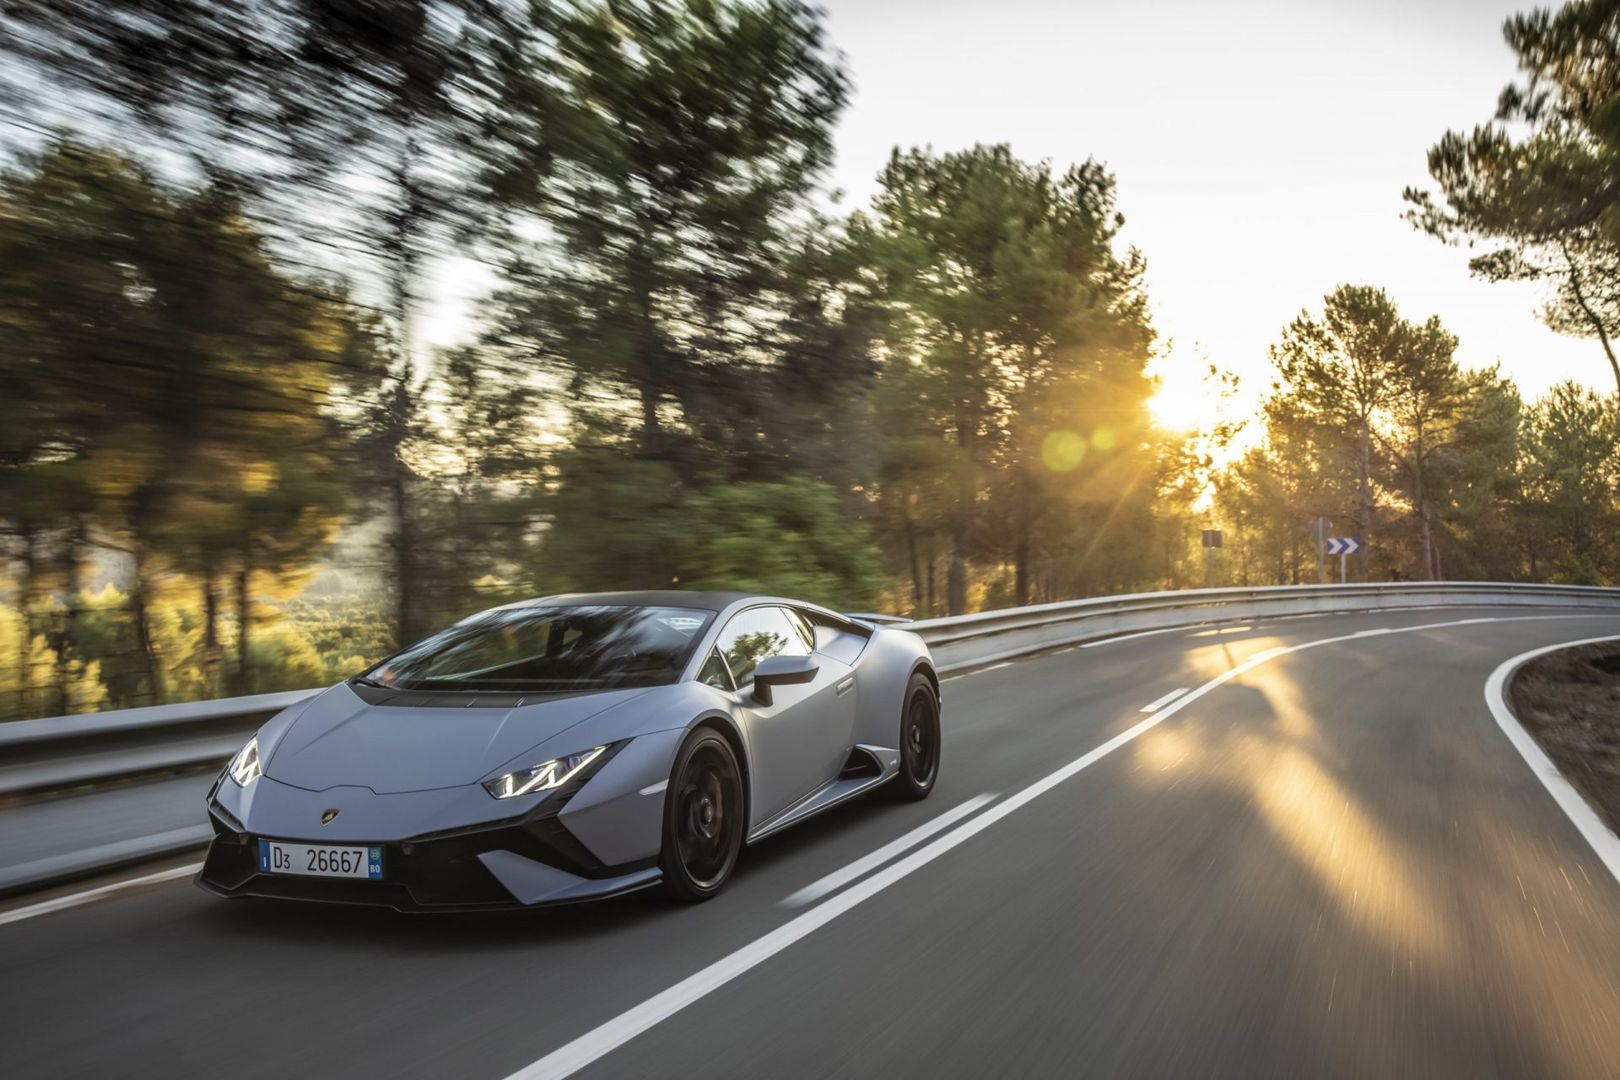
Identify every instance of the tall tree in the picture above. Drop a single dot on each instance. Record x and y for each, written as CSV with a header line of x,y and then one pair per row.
x,y
1541,183
1013,316
1572,473
675,148
355,127
166,375
1336,375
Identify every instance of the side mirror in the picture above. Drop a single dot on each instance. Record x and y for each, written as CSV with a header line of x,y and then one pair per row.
x,y
781,671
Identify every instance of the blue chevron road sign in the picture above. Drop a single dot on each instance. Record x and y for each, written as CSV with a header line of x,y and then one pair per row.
x,y
1343,545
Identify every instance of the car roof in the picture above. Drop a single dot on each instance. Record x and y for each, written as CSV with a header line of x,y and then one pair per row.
x,y
705,600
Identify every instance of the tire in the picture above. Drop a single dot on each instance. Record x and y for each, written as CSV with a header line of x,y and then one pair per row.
x,y
705,816
919,742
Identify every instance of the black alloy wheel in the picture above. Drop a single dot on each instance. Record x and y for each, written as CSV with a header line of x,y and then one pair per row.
x,y
919,742
704,817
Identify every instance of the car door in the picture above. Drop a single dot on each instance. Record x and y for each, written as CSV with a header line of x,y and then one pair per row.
x,y
801,739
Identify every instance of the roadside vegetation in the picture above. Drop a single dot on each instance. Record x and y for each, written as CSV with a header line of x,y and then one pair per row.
x,y
1569,701
228,464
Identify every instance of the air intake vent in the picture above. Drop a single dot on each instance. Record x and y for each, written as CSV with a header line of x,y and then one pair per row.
x,y
860,764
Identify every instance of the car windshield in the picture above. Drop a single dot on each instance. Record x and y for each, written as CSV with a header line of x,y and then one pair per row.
x,y
547,649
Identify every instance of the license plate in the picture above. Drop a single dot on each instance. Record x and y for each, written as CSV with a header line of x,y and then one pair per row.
x,y
320,860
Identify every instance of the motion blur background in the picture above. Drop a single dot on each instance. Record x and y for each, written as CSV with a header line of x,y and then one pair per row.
x,y
326,322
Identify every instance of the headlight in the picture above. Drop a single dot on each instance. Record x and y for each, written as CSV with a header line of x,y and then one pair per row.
x,y
543,777
245,766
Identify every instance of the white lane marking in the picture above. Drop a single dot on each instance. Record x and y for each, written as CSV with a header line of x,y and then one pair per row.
x,y
1159,703
1580,813
610,1035
867,863
654,789
978,671
45,907
1139,634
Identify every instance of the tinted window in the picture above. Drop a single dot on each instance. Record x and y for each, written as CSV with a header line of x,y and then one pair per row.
x,y
714,673
802,625
550,648
758,634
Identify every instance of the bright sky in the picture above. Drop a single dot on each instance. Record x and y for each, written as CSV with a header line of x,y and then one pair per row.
x,y
1260,148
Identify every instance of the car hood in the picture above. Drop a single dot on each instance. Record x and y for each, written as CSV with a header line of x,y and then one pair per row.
x,y
340,740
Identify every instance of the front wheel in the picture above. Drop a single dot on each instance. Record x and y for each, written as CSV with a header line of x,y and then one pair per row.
x,y
704,818
919,742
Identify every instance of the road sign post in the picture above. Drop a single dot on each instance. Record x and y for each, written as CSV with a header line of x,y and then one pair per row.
x,y
1343,547
1212,540
1322,526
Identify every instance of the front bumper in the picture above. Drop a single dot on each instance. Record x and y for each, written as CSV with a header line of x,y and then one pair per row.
x,y
530,860
435,875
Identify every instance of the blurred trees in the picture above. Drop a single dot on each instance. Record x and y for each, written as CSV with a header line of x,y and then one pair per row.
x,y
228,463
165,384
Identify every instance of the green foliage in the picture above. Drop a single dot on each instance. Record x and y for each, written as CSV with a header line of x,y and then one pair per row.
x,y
619,522
788,539
1538,183
676,147
1015,384
1572,474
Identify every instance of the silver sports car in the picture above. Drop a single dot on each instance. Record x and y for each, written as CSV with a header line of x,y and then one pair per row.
x,y
575,747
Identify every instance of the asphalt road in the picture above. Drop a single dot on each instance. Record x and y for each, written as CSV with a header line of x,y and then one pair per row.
x,y
1333,864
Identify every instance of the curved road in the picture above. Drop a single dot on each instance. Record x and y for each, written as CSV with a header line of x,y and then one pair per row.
x,y
1324,861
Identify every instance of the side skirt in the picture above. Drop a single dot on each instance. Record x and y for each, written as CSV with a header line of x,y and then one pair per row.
x,y
885,763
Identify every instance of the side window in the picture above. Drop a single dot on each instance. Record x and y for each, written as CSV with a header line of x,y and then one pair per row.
x,y
758,634
714,672
802,625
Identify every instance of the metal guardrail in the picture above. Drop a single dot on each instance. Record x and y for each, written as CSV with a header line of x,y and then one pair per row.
x,y
987,637
66,752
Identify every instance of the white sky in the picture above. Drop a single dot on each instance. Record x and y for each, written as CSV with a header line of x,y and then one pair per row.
x,y
1260,148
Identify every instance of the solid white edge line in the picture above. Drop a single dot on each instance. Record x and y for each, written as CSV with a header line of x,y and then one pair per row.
x,y
611,1034
866,863
1580,813
1159,703
45,907
1139,634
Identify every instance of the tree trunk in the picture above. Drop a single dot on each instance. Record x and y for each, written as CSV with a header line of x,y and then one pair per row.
x,y
1591,316
1021,544
67,644
244,628
911,556
139,605
956,571
1365,511
26,588
211,652
406,615
1425,533
961,518
933,591
651,434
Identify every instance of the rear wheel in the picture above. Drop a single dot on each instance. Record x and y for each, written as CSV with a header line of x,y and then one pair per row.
x,y
919,742
703,817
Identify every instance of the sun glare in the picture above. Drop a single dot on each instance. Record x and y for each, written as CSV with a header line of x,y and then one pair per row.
x,y
1183,405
